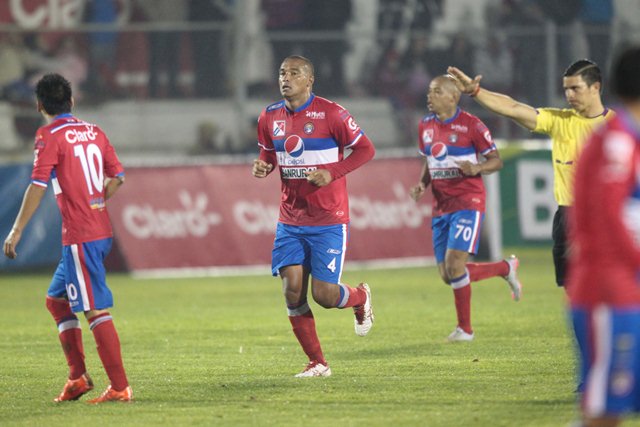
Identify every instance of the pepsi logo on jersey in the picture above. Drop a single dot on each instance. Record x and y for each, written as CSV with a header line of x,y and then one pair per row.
x,y
294,146
439,151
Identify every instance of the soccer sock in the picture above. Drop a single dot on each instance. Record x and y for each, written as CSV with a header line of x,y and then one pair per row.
x,y
304,328
70,335
108,345
462,296
481,271
350,297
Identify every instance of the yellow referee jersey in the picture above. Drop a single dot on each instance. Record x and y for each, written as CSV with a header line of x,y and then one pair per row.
x,y
568,131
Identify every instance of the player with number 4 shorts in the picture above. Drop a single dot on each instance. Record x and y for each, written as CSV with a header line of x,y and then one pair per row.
x,y
452,141
76,159
304,137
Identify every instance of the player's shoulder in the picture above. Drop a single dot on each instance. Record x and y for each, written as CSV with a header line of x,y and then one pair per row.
x,y
324,104
466,120
271,108
465,116
428,118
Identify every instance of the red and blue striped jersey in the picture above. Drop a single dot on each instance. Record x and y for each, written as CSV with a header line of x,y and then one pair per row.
x,y
313,136
444,143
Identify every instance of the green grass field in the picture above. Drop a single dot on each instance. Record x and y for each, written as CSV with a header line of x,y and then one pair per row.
x,y
219,351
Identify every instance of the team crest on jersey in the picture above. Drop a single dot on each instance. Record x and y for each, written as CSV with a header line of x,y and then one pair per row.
x,y
294,146
278,128
309,128
427,136
439,151
453,138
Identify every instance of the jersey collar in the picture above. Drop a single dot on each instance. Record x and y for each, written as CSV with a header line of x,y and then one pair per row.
x,y
63,116
305,105
449,120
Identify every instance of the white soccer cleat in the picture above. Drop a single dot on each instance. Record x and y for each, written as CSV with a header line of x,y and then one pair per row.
x,y
458,335
364,313
512,277
315,369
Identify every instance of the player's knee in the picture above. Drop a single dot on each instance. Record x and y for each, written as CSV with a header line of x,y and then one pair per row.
x,y
452,271
444,277
322,299
322,295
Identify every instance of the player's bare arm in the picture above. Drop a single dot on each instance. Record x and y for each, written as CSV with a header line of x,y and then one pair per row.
x,y
112,185
261,168
32,197
417,191
492,164
498,103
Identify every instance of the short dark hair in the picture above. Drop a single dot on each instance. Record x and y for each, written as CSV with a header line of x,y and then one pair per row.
x,y
587,69
54,93
306,61
625,80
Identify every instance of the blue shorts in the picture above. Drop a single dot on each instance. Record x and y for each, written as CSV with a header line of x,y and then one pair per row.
x,y
458,230
320,249
80,276
609,346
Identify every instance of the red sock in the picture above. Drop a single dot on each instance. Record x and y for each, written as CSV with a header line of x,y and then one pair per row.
x,y
462,298
462,295
351,297
70,335
481,271
304,328
108,345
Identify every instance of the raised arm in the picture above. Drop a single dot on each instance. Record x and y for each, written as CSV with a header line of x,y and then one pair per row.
x,y
498,103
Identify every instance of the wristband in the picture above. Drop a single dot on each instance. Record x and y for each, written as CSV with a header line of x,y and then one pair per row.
x,y
475,91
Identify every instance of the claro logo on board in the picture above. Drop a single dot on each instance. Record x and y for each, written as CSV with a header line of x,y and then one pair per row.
x,y
190,219
193,217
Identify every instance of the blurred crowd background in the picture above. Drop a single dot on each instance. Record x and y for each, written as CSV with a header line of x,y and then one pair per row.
x,y
211,65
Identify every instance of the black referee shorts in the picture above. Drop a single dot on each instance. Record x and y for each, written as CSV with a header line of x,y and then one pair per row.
x,y
560,244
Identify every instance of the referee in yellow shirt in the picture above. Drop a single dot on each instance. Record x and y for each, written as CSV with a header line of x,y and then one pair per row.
x,y
568,129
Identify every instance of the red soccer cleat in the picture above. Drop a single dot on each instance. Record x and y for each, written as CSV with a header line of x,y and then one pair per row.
x,y
73,389
111,395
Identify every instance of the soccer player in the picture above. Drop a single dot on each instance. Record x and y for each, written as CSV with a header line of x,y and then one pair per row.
x,y
568,129
306,136
603,281
81,165
451,140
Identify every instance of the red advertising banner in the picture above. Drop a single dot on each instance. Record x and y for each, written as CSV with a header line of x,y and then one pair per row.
x,y
211,217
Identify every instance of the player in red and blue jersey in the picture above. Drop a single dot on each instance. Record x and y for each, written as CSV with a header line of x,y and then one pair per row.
x,y
604,274
451,140
305,137
84,171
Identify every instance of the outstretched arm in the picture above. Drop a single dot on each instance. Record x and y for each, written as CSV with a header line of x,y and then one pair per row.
x,y
498,103
30,202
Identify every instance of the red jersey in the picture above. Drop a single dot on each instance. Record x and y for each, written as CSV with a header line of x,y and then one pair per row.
x,y
445,144
605,218
76,157
313,136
